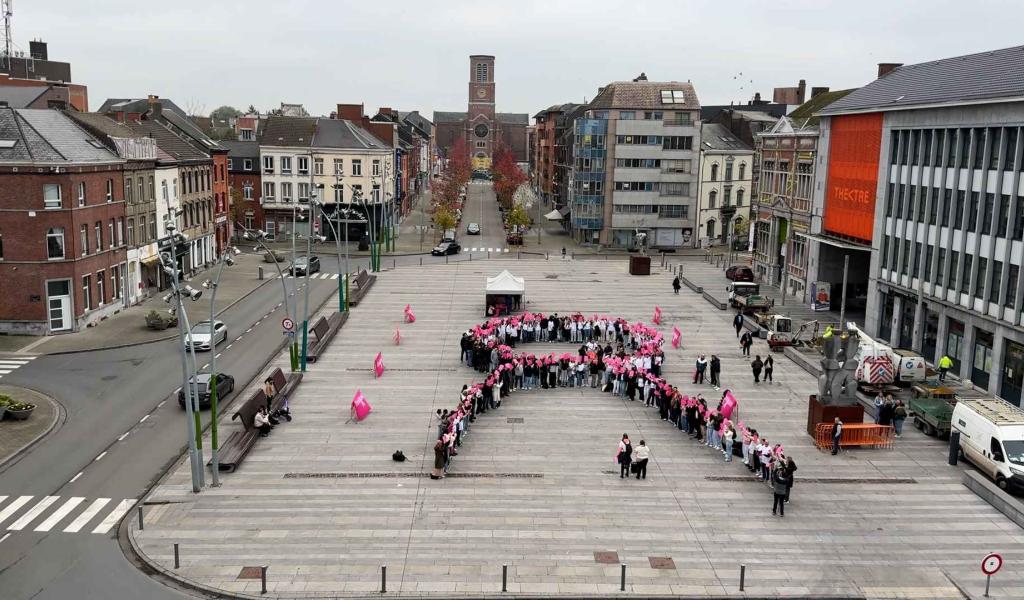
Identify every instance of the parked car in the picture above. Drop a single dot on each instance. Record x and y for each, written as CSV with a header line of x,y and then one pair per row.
x,y
739,273
205,336
305,262
225,385
480,175
448,235
445,248
473,229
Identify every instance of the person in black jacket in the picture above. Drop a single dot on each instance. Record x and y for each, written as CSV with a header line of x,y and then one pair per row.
x,y
737,322
756,367
625,456
769,368
791,467
715,368
676,285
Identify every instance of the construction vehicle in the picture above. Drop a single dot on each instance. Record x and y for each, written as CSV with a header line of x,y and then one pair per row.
x,y
879,364
779,329
932,415
746,296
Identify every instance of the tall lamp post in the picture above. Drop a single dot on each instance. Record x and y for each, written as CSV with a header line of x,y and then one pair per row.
x,y
226,259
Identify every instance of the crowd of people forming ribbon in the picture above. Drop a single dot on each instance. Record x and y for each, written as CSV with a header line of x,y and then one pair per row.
x,y
617,357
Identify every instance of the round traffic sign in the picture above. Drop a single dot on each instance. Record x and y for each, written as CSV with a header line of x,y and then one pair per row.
x,y
287,324
991,563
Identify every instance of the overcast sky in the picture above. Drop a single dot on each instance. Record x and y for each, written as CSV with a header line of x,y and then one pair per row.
x,y
414,55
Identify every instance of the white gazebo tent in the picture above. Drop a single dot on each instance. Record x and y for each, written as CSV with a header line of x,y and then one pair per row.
x,y
504,293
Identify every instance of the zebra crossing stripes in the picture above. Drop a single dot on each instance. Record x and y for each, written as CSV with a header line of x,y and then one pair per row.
x,y
321,276
496,250
9,365
49,512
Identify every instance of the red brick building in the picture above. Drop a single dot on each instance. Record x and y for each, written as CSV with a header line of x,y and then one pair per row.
x,y
244,185
62,239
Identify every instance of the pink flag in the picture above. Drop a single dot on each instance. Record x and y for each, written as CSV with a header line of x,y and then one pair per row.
x,y
657,315
360,407
410,317
676,337
378,365
729,404
398,336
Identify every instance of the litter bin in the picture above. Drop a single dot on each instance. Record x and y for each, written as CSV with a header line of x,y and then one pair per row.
x,y
639,265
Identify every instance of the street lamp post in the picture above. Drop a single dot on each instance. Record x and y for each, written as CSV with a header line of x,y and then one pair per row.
x,y
305,294
226,258
258,237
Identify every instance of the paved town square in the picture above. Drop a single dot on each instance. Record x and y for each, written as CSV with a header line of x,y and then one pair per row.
x,y
321,503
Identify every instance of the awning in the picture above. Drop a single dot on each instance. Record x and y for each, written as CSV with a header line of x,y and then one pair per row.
x,y
831,241
553,216
151,260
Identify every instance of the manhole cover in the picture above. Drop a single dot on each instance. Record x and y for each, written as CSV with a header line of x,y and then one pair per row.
x,y
250,573
515,419
661,562
611,558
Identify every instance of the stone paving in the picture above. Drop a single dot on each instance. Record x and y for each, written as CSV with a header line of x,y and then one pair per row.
x,y
321,503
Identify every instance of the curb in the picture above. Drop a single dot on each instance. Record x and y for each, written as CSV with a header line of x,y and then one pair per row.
x,y
161,339
58,416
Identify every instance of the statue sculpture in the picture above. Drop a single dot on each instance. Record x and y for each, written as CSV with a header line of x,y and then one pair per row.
x,y
837,385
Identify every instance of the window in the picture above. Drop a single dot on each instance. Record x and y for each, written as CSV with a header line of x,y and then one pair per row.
x,y
676,165
111,239
993,148
933,208
339,193
357,167
678,142
627,115
743,170
100,296
357,192
110,190
979,282
286,192
965,278
1011,287
1018,219
889,198
636,186
739,197
97,231
1004,215
972,216
303,165
633,209
245,135
303,192
51,195
375,193
376,167
714,172
997,279
727,193
247,164
81,193
231,164
268,191
55,243
152,188
249,220
674,211
954,269
680,119
638,140
131,231
247,191
728,171
713,199
268,165
120,231
481,71
958,216
673,97
905,261
87,292
986,218
152,226
928,263
318,166
947,201
980,142
638,163
656,115
939,266
339,166
83,234
883,255
142,189
115,282
916,268
675,189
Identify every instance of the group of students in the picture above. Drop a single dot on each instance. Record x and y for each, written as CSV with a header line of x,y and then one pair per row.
x,y
264,420
890,412
632,369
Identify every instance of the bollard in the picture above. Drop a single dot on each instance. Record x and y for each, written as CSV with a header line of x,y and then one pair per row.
x,y
546,256
421,261
743,575
263,580
622,579
488,254
383,579
470,257
504,578
141,526
177,561
393,264
954,447
259,270
445,259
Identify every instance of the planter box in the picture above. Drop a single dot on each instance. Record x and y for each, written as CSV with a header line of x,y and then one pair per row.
x,y
19,415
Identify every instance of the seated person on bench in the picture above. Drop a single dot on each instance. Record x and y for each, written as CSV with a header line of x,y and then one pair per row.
x,y
262,422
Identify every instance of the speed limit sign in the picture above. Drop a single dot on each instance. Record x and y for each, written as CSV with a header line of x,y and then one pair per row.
x,y
288,324
991,564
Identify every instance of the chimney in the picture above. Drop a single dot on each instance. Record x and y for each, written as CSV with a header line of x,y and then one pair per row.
x,y
801,90
385,110
37,49
818,90
757,98
155,108
350,112
886,68
641,77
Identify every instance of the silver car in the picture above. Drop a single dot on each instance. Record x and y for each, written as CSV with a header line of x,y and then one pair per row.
x,y
205,337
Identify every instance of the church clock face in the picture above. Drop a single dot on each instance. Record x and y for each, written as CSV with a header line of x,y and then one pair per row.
x,y
481,130
481,93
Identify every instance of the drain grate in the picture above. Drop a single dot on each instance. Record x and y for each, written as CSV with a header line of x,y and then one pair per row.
x,y
840,480
554,276
608,558
250,573
410,475
515,420
661,562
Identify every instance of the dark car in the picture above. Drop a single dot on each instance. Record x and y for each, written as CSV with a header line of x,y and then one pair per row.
x,y
225,385
445,248
739,273
479,174
302,263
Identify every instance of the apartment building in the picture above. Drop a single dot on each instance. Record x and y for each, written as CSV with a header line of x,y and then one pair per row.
x,y
726,175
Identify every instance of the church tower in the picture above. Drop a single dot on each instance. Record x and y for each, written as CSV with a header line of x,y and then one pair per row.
x,y
481,125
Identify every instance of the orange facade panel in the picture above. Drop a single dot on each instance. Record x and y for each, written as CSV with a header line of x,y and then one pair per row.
x,y
853,175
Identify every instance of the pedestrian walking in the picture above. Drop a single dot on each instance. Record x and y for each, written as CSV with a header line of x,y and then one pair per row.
x,y
945,364
780,484
714,369
737,322
676,285
769,368
643,452
837,434
899,415
791,467
756,367
563,252
746,341
625,456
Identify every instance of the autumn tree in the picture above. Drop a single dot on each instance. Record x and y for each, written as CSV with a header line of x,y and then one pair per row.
x,y
507,175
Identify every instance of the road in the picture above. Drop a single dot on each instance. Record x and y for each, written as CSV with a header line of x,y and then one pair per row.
x,y
482,207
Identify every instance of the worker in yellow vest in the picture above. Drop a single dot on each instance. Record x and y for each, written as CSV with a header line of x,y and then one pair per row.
x,y
945,364
828,332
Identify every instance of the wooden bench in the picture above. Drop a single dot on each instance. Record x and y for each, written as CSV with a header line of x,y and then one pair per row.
x,y
234,450
361,284
325,329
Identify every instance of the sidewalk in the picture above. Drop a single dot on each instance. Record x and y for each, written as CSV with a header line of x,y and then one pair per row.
x,y
16,436
128,327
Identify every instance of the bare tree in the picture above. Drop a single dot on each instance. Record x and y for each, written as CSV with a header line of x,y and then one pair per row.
x,y
195,108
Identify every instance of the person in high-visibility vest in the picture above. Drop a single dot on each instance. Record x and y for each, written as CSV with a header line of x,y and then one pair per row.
x,y
945,364
828,332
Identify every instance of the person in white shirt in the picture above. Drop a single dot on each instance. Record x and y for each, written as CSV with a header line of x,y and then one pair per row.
x,y
262,422
643,452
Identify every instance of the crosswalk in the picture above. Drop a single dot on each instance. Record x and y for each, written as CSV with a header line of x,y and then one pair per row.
x,y
320,275
28,510
499,250
9,365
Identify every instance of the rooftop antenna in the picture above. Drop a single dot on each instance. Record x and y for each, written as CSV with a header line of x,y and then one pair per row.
x,y
7,7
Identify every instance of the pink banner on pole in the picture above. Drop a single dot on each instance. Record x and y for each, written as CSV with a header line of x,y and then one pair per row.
x,y
410,317
398,336
677,336
728,404
360,407
378,365
657,315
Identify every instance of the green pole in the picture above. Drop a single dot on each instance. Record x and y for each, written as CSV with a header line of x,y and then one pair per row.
x,y
346,292
305,333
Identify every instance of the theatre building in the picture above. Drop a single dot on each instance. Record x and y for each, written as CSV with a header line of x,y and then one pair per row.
x,y
924,168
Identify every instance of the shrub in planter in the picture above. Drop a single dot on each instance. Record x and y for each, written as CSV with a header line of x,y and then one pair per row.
x,y
155,320
19,411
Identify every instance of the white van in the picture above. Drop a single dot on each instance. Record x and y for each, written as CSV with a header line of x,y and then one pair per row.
x,y
992,438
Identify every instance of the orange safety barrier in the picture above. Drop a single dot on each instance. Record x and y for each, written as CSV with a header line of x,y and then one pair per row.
x,y
855,434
